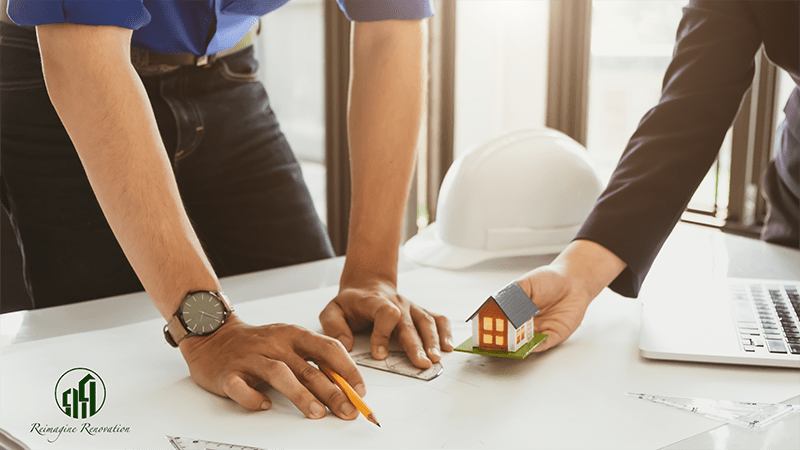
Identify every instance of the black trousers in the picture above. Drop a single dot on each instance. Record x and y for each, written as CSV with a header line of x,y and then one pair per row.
x,y
239,180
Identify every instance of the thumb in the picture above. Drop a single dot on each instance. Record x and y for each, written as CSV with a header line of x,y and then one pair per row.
x,y
335,325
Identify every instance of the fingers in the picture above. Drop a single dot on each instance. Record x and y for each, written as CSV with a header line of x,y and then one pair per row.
x,y
445,333
555,328
282,378
322,388
332,353
287,371
238,390
561,305
240,357
411,343
553,339
426,327
386,319
335,325
278,375
422,335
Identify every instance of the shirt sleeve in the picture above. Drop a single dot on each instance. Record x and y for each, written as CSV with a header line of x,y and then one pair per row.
x,y
374,10
677,141
129,14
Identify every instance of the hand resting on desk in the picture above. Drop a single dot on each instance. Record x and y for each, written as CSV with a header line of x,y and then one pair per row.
x,y
375,302
238,357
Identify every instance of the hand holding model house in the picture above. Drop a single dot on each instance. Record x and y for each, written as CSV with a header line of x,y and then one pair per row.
x,y
503,325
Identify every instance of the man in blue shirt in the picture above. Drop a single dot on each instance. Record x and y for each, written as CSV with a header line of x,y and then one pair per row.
x,y
178,158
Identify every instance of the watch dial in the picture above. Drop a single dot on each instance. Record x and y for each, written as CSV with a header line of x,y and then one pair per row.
x,y
202,313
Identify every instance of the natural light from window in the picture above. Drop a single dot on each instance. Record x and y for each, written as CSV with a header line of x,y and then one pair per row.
x,y
501,68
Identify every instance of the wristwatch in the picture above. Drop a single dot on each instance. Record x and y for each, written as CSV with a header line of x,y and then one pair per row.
x,y
200,314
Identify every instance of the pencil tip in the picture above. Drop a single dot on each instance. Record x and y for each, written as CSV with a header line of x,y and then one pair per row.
x,y
379,425
373,419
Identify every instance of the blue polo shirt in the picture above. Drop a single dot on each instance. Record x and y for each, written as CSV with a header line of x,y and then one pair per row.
x,y
201,27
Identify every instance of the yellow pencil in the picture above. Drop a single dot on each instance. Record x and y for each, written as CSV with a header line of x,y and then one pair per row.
x,y
350,393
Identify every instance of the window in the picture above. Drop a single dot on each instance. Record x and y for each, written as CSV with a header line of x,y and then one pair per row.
x,y
487,338
785,87
589,68
501,68
291,56
711,197
488,63
631,47
498,340
500,325
487,323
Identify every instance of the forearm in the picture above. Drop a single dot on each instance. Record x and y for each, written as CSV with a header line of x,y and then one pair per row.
x,y
385,110
590,265
106,112
677,141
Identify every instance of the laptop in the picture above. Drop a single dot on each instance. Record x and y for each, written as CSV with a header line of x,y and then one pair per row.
x,y
729,320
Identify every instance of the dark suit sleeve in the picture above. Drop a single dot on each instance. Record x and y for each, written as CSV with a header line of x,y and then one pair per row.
x,y
677,141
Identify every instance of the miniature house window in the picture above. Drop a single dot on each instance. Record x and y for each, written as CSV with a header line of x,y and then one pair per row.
x,y
519,335
498,340
487,324
500,324
487,338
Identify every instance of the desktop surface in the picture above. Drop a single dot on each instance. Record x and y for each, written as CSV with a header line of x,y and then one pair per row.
x,y
571,396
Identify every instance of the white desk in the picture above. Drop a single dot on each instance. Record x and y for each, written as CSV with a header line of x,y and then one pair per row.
x,y
569,397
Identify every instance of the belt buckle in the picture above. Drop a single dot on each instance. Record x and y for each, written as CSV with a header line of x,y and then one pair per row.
x,y
205,60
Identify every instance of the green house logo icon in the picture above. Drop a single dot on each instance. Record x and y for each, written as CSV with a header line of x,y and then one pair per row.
x,y
80,393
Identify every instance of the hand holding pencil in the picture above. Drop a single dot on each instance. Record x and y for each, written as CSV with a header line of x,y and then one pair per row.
x,y
350,393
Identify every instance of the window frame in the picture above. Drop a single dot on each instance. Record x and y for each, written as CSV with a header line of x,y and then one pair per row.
x,y
337,150
753,137
566,110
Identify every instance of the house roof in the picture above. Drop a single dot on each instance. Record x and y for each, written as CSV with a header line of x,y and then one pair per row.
x,y
514,303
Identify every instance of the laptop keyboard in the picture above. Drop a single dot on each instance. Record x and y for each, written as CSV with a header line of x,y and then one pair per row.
x,y
767,316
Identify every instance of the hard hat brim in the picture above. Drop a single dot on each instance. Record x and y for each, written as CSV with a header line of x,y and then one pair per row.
x,y
427,248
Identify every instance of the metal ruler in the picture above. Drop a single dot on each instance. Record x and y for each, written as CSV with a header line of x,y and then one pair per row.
x,y
397,362
184,443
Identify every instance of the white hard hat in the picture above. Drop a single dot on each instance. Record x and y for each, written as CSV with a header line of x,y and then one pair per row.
x,y
523,193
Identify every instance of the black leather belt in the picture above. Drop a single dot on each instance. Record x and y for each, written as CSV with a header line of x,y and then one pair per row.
x,y
146,58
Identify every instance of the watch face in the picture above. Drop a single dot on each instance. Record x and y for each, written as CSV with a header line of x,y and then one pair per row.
x,y
202,313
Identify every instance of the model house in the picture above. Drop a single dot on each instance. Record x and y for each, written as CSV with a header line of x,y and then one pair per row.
x,y
504,322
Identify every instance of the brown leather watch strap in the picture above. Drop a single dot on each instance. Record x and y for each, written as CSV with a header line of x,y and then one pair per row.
x,y
174,331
